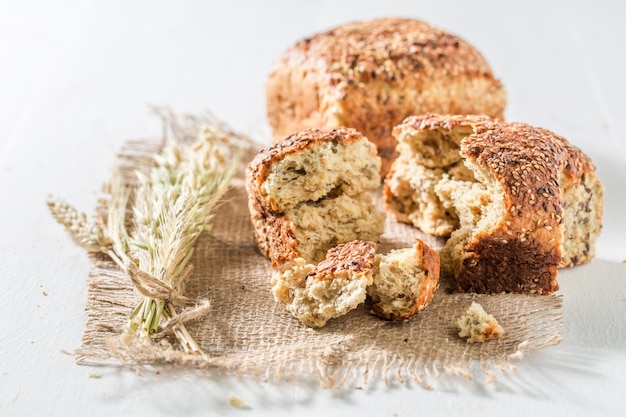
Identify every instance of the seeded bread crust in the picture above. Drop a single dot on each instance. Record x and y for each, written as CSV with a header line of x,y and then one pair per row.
x,y
371,75
350,259
273,228
546,214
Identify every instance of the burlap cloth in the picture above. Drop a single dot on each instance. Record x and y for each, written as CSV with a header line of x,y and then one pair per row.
x,y
247,332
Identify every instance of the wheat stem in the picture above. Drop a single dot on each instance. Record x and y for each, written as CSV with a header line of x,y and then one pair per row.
x,y
172,206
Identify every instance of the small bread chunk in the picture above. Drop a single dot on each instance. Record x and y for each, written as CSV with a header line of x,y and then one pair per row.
x,y
478,326
405,282
309,193
517,201
316,294
371,75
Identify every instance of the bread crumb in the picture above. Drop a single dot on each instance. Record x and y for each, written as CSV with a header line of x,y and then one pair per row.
x,y
45,294
478,326
93,375
236,401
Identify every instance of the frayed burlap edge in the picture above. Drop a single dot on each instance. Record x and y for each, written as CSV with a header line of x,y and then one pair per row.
x,y
247,333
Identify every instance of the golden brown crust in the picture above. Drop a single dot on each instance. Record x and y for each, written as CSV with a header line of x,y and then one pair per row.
x,y
345,260
273,232
371,75
522,252
492,331
411,46
430,266
526,246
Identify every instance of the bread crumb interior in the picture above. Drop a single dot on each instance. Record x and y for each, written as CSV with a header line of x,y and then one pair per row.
x,y
324,194
582,218
315,301
442,194
397,281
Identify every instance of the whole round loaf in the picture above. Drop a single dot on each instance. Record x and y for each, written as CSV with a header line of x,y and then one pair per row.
x,y
520,200
371,75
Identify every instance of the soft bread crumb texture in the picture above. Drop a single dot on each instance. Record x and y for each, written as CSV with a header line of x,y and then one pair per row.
x,y
315,294
582,216
371,75
478,326
405,281
517,202
323,224
310,193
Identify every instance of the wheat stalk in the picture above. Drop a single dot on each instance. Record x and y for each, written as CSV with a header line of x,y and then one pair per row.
x,y
172,205
88,234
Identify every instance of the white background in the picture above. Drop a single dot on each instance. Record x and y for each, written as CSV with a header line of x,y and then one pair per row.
x,y
76,81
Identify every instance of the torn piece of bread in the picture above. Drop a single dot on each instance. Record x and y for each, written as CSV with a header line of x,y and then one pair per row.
x,y
478,326
315,294
405,281
309,193
518,201
371,75
400,284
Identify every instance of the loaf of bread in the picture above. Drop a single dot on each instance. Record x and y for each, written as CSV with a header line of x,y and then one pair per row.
x,y
371,75
405,281
517,201
315,294
309,193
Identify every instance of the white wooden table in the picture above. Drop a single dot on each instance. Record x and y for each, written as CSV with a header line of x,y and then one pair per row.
x,y
76,80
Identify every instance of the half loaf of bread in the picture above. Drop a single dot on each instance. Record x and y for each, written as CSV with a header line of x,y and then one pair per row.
x,y
517,201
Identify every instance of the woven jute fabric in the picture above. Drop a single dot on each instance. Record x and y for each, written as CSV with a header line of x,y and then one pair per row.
x,y
247,332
